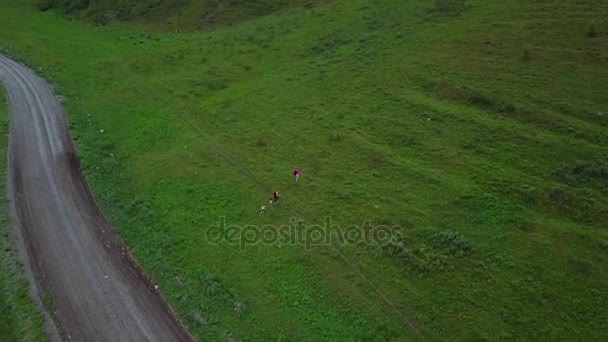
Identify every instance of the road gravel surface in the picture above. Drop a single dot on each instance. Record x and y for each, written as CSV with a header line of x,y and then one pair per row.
x,y
98,291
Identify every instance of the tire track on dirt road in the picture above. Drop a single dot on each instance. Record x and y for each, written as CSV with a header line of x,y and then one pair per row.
x,y
99,292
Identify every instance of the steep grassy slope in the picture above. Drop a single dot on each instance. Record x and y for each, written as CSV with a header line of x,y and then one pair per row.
x,y
475,131
19,320
172,14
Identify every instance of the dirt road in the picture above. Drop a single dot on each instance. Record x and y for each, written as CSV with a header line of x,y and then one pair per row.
x,y
98,291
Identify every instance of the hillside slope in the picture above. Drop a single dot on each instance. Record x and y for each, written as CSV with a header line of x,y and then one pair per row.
x,y
172,14
477,132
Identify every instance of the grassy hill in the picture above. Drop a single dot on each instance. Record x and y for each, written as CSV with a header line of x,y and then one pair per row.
x,y
172,14
475,130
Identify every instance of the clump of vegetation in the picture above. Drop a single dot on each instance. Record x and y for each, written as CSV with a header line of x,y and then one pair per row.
x,y
604,246
559,195
592,29
584,171
418,258
507,108
172,14
449,7
452,242
215,288
45,5
260,143
526,54
482,100
449,91
421,257
106,17
329,45
333,138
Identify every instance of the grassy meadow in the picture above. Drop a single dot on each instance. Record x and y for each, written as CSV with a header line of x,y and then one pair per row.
x,y
475,129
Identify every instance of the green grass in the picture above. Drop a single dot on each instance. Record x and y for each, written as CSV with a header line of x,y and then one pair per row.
x,y
472,128
171,14
19,318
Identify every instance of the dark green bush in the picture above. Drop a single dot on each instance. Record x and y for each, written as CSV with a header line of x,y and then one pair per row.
x,y
449,6
260,143
452,242
559,195
592,29
335,137
583,171
526,55
482,100
424,258
45,5
507,108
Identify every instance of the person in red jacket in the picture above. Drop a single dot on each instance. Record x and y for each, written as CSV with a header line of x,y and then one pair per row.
x,y
275,196
296,174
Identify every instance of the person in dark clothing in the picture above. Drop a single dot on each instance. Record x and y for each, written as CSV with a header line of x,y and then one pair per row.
x,y
275,196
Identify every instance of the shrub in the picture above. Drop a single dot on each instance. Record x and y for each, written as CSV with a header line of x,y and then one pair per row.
x,y
526,55
583,171
559,195
591,170
604,246
71,7
214,287
449,6
452,242
45,5
482,100
106,17
448,91
335,137
507,108
425,258
592,29
394,246
260,143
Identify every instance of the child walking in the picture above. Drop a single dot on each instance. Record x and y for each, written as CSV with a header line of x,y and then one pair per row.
x,y
274,198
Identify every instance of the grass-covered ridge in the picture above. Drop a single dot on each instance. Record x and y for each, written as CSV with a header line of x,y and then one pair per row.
x,y
172,14
477,129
